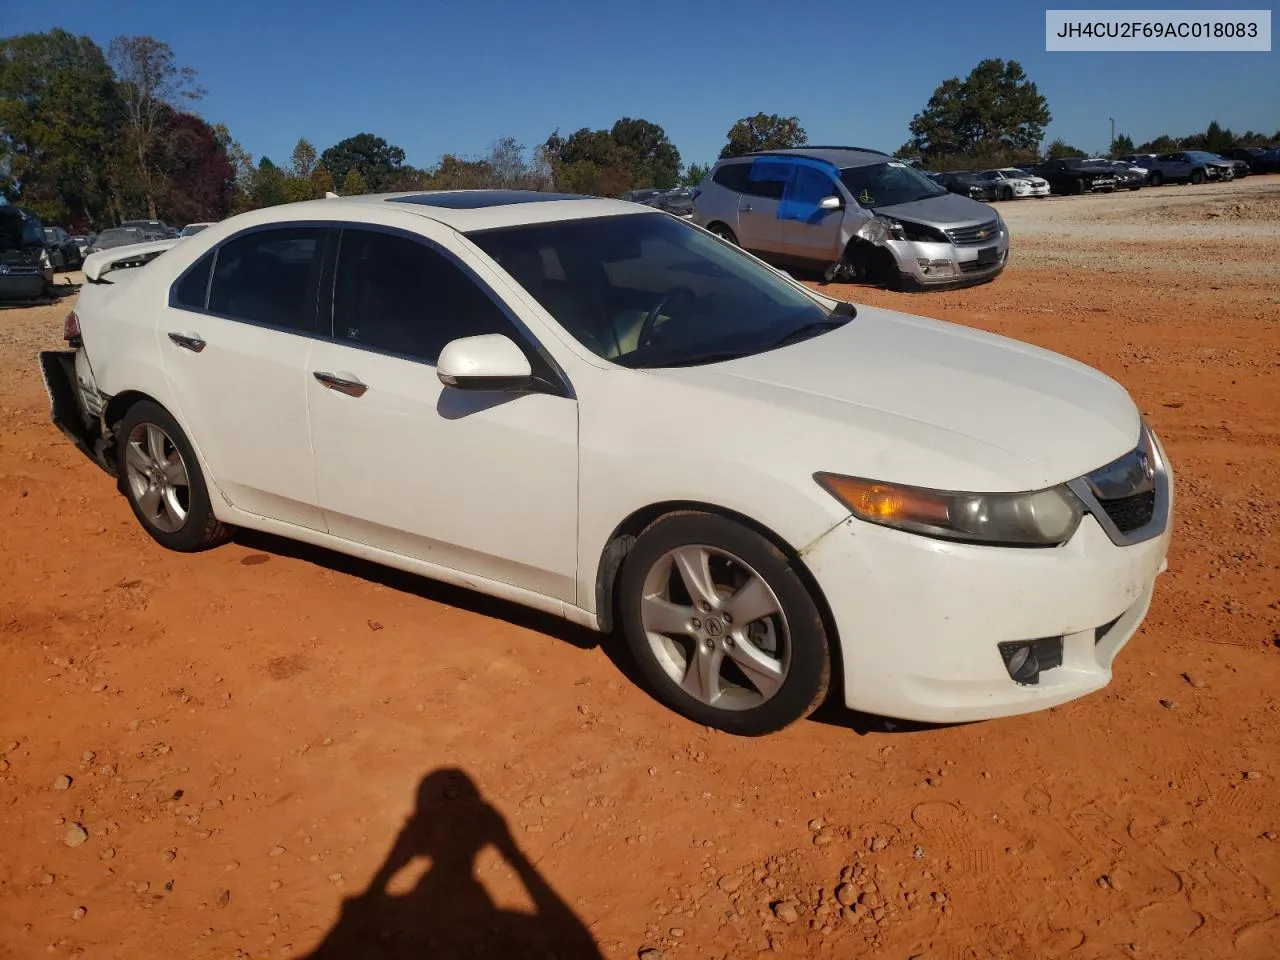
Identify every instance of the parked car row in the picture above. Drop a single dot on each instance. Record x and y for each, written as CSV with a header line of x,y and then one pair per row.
x,y
26,268
678,201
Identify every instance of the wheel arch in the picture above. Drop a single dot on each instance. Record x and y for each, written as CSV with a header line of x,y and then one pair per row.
x,y
624,535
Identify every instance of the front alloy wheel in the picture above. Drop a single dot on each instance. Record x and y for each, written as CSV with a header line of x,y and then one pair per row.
x,y
722,625
715,627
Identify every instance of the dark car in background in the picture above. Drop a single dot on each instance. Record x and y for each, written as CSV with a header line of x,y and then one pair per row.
x,y
968,185
152,229
119,237
1188,166
1076,175
1259,159
26,272
1127,178
64,252
677,202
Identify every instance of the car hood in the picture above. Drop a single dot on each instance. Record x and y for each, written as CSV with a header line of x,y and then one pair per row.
x,y
909,400
947,210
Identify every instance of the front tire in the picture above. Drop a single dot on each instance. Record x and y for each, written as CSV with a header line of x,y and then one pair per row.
x,y
1155,179
1197,177
722,626
160,477
1006,194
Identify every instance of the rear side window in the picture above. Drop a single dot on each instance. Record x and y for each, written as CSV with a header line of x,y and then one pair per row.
x,y
768,179
400,296
269,277
733,176
193,288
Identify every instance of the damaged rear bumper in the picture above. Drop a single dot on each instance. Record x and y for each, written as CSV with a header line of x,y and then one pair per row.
x,y
75,406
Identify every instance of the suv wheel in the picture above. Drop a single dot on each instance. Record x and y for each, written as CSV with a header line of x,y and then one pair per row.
x,y
723,232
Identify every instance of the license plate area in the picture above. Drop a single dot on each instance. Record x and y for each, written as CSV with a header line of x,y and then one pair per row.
x,y
988,255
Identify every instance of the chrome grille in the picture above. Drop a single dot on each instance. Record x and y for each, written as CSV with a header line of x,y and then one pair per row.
x,y
969,236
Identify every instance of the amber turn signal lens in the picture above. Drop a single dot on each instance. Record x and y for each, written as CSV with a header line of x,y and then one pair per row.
x,y
875,501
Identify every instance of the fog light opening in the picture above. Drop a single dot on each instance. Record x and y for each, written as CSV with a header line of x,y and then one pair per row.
x,y
936,268
1027,659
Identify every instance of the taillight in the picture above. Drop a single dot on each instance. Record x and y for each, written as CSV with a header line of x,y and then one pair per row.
x,y
71,327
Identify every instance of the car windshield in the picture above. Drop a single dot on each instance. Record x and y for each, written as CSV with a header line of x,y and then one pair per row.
x,y
887,184
647,290
192,229
1014,173
18,231
1202,155
119,237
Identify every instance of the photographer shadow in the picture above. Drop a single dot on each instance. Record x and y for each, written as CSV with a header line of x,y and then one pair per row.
x,y
448,914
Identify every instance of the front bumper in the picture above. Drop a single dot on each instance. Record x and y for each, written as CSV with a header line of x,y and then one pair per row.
x,y
966,269
920,619
25,286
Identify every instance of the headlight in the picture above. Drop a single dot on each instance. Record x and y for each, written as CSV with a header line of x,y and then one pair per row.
x,y
1040,518
894,227
45,261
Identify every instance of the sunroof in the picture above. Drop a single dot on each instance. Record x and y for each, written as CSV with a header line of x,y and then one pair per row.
x,y
478,199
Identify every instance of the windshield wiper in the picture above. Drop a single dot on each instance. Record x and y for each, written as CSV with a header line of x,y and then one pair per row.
x,y
813,329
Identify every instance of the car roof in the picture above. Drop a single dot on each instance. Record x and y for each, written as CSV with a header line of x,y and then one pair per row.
x,y
841,157
462,210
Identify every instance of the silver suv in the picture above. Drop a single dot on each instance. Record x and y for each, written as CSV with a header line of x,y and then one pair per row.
x,y
857,213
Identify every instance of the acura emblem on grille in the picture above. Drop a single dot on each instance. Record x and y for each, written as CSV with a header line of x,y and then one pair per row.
x,y
1133,473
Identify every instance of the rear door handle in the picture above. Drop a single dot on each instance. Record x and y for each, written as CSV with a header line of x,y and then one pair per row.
x,y
352,388
194,344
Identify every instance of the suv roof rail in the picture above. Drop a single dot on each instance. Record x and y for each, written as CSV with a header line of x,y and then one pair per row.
x,y
785,151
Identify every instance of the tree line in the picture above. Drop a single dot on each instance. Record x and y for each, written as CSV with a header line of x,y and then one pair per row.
x,y
89,138
996,117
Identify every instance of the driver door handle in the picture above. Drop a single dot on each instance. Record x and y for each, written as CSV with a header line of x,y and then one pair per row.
x,y
352,388
194,344
746,208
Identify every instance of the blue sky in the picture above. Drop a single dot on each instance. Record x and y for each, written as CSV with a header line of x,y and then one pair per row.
x,y
452,77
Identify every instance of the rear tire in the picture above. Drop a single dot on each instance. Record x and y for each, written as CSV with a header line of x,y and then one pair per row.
x,y
724,233
722,626
160,477
1077,187
1155,179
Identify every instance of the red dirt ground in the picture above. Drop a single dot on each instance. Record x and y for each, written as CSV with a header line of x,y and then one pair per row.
x,y
246,730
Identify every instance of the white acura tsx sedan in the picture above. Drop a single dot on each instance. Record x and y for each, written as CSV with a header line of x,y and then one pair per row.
x,y
602,411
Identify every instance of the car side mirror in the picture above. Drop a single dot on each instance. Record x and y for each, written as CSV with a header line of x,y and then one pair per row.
x,y
830,203
490,362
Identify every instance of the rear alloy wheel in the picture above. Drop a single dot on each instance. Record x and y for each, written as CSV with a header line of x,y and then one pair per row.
x,y
161,479
721,625
723,232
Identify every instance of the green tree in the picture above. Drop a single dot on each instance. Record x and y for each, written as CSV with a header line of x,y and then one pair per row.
x,y
303,160
763,131
269,185
1122,145
379,163
60,115
150,81
321,181
648,153
1161,144
694,174
994,109
353,183
1059,149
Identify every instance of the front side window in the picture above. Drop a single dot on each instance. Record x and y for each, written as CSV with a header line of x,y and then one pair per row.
x,y
269,277
645,290
398,295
